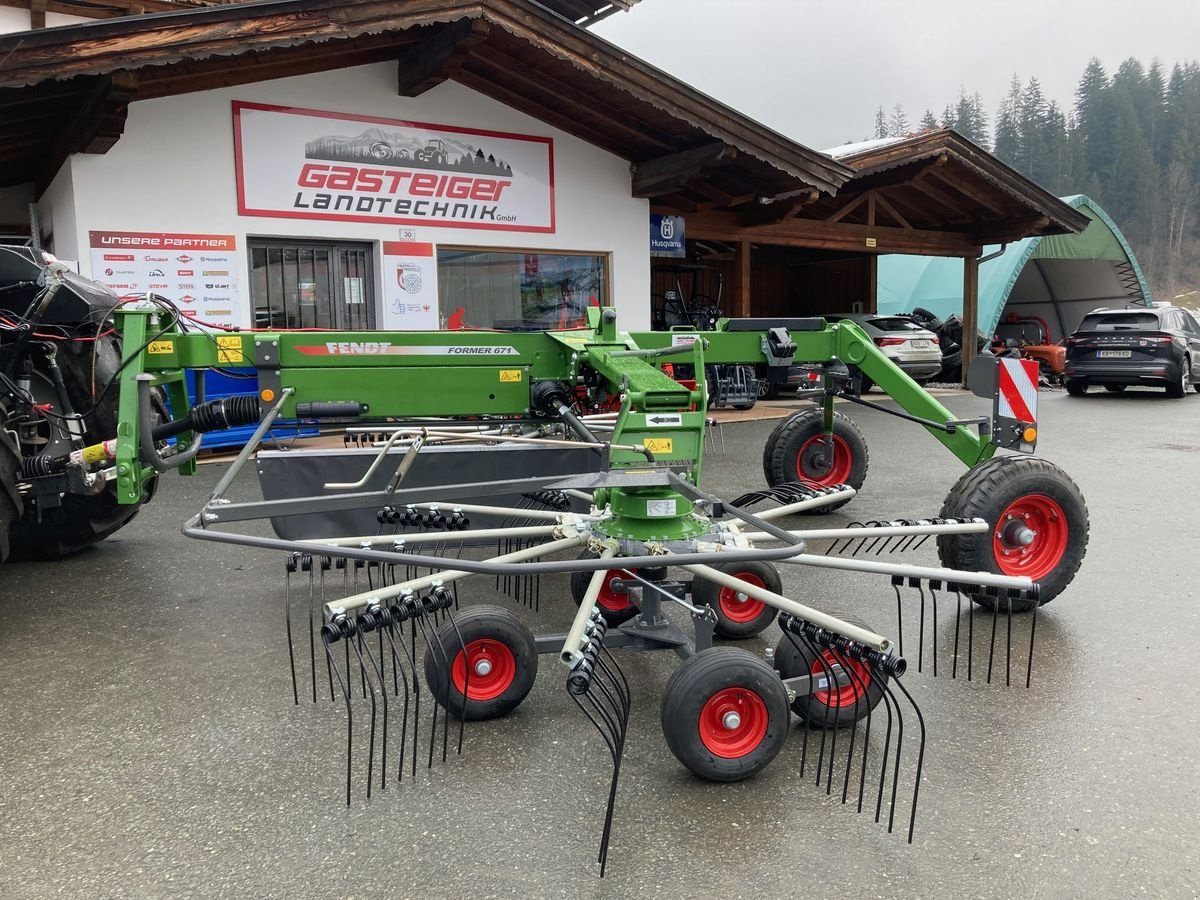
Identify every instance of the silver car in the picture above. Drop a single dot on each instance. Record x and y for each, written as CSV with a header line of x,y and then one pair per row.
x,y
914,349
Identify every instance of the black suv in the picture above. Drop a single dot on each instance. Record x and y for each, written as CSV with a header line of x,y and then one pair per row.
x,y
1158,347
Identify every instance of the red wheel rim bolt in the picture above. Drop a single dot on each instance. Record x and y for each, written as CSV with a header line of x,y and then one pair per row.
x,y
733,722
843,461
738,607
493,669
1030,537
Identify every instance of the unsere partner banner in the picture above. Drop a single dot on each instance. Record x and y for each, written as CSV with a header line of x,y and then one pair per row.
x,y
310,164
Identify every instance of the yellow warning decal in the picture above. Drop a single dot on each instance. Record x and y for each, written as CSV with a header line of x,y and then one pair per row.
x,y
161,347
658,445
510,376
229,350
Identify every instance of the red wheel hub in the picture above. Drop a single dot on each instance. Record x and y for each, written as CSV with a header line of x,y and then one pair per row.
x,y
493,669
739,607
733,722
843,694
610,599
812,463
1031,537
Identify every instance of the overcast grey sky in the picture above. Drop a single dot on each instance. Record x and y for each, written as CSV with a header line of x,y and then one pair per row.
x,y
817,69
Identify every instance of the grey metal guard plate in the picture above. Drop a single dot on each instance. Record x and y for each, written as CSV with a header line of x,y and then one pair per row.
x,y
289,474
615,478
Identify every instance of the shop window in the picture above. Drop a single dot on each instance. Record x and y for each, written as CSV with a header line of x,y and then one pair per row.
x,y
312,285
516,291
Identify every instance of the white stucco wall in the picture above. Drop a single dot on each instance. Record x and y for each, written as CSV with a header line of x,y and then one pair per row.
x,y
173,171
13,19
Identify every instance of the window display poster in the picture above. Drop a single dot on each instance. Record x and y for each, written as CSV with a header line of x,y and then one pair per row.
x,y
410,294
198,272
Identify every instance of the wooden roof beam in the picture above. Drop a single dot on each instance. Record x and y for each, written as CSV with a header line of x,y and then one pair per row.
x,y
37,14
96,127
774,213
967,191
432,62
668,174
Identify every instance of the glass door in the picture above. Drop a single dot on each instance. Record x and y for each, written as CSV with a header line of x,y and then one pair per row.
x,y
314,284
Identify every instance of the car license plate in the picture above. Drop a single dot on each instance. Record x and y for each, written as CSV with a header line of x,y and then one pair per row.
x,y
919,344
1114,354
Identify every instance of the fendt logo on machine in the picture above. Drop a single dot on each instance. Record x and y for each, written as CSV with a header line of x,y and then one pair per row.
x,y
357,347
387,348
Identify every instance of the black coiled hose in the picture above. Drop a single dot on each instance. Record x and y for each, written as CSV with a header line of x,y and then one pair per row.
x,y
226,412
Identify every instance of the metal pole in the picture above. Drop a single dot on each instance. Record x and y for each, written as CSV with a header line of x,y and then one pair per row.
x,y
573,645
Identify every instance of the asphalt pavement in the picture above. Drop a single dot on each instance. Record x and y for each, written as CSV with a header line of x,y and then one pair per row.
x,y
150,746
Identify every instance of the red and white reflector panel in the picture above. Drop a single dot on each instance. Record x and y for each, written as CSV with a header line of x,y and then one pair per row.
x,y
1018,389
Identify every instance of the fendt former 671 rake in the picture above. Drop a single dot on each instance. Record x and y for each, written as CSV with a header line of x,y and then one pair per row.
x,y
516,455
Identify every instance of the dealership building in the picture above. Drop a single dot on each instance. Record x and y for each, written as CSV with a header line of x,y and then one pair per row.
x,y
448,163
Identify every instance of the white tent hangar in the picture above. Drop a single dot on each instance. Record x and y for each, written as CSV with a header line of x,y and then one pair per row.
x,y
1056,278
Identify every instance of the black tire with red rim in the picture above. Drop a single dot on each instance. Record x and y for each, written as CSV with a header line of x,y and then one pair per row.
x,y
739,615
797,451
492,660
1039,526
837,707
615,606
725,714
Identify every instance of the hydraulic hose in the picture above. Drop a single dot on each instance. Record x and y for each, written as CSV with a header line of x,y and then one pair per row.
x,y
226,412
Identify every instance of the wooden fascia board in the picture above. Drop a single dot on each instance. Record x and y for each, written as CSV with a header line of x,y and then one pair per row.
x,y
113,44
840,236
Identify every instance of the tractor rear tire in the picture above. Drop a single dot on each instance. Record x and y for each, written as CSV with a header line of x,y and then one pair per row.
x,y
1010,492
792,453
503,658
81,520
11,506
842,707
725,714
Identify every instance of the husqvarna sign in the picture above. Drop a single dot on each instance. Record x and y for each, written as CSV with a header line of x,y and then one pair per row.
x,y
666,236
312,164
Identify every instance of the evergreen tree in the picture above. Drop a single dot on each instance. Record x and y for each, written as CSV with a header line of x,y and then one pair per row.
x,y
898,123
881,125
1008,133
929,121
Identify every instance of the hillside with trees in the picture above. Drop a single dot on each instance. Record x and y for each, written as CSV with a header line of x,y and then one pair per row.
x,y
1131,141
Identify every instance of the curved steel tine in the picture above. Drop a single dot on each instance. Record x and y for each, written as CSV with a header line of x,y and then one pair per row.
x,y
1032,632
326,564
388,630
866,747
462,720
899,753
312,597
860,694
807,728
383,695
358,645
831,684
289,567
916,582
957,626
888,703
970,635
1008,641
933,602
912,818
992,647
439,654
898,580
349,711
